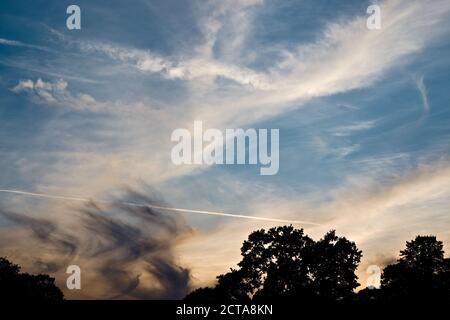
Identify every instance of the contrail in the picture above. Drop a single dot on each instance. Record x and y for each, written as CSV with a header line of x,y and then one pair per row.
x,y
145,205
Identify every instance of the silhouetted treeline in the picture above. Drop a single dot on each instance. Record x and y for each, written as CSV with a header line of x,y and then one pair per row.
x,y
284,263
18,286
421,274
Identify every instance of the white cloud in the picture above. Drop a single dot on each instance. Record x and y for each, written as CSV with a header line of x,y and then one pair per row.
x,y
57,94
179,68
343,131
11,42
15,43
379,217
423,93
225,26
23,85
45,92
346,56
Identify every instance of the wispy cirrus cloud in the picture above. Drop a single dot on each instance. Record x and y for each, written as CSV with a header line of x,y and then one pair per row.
x,y
122,258
173,68
343,131
420,84
57,94
311,70
378,215
15,43
343,57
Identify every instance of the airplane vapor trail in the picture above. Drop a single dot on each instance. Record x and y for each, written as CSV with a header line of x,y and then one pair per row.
x,y
145,205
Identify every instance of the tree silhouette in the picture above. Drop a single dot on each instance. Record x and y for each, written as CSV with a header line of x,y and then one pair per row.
x,y
421,272
268,257
23,286
333,267
283,262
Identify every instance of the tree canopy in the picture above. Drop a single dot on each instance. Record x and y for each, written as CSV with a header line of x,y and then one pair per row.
x,y
421,272
15,285
283,262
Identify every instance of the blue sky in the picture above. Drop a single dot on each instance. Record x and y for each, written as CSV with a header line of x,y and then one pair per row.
x,y
363,114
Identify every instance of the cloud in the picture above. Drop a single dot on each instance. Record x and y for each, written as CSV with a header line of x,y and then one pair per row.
x,y
173,68
343,131
23,85
44,231
380,216
165,208
349,56
8,42
57,94
345,56
45,92
15,43
225,27
116,246
343,152
32,68
423,93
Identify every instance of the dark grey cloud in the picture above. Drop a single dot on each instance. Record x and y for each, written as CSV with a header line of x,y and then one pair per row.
x,y
123,244
45,231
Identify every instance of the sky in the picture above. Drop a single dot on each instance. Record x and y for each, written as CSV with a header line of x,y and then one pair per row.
x,y
363,117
